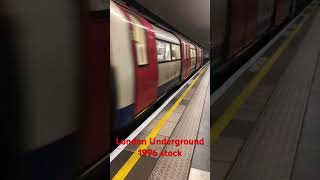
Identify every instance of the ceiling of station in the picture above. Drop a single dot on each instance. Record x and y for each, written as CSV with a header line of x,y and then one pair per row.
x,y
191,17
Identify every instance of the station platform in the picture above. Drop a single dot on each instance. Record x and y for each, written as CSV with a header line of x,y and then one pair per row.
x,y
266,126
184,118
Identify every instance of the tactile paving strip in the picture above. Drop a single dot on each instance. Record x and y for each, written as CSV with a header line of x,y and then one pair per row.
x,y
176,168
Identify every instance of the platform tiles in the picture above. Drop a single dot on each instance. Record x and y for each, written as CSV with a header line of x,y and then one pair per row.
x,y
274,135
189,121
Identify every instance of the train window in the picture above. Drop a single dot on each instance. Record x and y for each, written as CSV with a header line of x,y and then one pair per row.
x,y
175,51
185,51
139,39
192,53
161,47
168,52
163,51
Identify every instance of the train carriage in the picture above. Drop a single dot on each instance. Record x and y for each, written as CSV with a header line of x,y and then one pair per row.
x,y
95,126
121,62
199,57
251,21
147,62
238,24
264,20
45,61
282,11
185,63
220,30
192,57
169,60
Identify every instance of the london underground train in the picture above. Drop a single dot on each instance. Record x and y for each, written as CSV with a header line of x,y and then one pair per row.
x,y
146,61
55,103
239,24
241,27
58,92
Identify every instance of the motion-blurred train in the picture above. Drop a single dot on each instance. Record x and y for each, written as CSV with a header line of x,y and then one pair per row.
x,y
146,62
237,24
57,84
54,95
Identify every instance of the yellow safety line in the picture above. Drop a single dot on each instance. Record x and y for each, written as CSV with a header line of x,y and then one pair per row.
x,y
126,168
234,108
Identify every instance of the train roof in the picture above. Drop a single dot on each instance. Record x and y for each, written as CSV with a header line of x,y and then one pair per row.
x,y
154,19
185,41
165,35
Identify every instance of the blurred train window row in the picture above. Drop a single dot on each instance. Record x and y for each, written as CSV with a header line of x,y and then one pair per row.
x,y
167,51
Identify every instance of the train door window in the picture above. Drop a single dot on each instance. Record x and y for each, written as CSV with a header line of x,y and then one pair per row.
x,y
175,51
168,52
161,48
185,51
139,39
192,53
163,51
